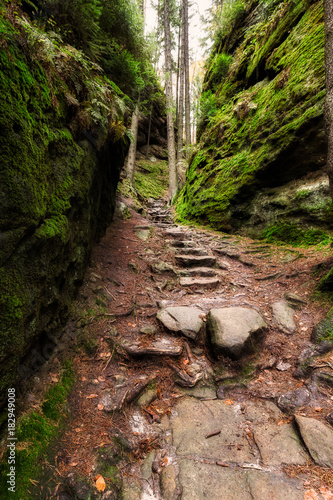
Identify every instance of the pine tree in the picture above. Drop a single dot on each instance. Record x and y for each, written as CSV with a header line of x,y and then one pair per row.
x,y
328,12
173,184
187,78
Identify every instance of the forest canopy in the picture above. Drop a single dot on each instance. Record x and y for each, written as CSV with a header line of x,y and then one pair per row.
x,y
110,33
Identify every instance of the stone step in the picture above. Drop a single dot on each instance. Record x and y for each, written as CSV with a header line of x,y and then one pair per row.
x,y
195,260
164,224
229,253
163,346
203,282
198,271
182,243
192,251
176,234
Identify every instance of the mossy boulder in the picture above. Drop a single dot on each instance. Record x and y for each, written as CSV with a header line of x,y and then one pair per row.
x,y
262,122
59,168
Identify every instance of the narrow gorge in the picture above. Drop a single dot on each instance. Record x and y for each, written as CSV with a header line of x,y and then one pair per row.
x,y
152,351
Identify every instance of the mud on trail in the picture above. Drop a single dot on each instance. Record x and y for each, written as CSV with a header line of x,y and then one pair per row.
x,y
163,410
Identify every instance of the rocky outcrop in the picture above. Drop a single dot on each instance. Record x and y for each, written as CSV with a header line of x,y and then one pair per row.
x,y
60,164
233,331
259,164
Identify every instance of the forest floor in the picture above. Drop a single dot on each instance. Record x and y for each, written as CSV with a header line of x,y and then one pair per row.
x,y
154,414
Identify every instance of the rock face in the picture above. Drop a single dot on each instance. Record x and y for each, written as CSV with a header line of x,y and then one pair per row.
x,y
293,400
213,456
318,438
58,181
185,320
261,145
233,330
284,316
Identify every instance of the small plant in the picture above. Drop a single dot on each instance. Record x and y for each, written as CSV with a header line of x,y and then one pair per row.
x,y
220,68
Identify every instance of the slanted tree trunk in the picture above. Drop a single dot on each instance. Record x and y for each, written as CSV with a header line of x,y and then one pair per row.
x,y
173,185
187,80
130,162
328,13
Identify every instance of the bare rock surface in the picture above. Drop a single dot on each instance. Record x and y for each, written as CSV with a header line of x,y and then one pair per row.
x,y
198,271
185,320
160,346
232,330
228,450
293,400
194,281
318,439
284,316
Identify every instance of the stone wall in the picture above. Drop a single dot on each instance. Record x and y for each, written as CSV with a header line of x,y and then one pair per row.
x,y
59,171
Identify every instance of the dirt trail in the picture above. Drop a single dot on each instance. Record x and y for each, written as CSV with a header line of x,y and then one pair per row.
x,y
161,413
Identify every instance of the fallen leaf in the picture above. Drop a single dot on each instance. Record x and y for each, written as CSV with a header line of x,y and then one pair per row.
x,y
101,379
281,422
73,464
100,483
318,409
92,396
78,429
228,402
100,406
311,495
327,494
83,379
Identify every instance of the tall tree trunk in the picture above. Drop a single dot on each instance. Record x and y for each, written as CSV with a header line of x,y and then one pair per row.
x,y
187,80
180,122
173,185
130,163
178,68
328,13
149,130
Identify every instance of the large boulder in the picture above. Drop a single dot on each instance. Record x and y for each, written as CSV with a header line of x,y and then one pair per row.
x,y
185,320
318,439
233,330
284,316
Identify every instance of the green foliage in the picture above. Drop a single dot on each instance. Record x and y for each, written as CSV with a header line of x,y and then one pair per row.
x,y
151,182
227,17
36,432
108,33
207,109
295,235
219,68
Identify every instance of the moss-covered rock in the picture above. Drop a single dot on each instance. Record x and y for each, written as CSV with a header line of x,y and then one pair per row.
x,y
262,124
62,147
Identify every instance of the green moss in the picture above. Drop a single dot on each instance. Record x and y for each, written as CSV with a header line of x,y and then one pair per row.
x,y
326,283
255,125
152,180
36,433
290,233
